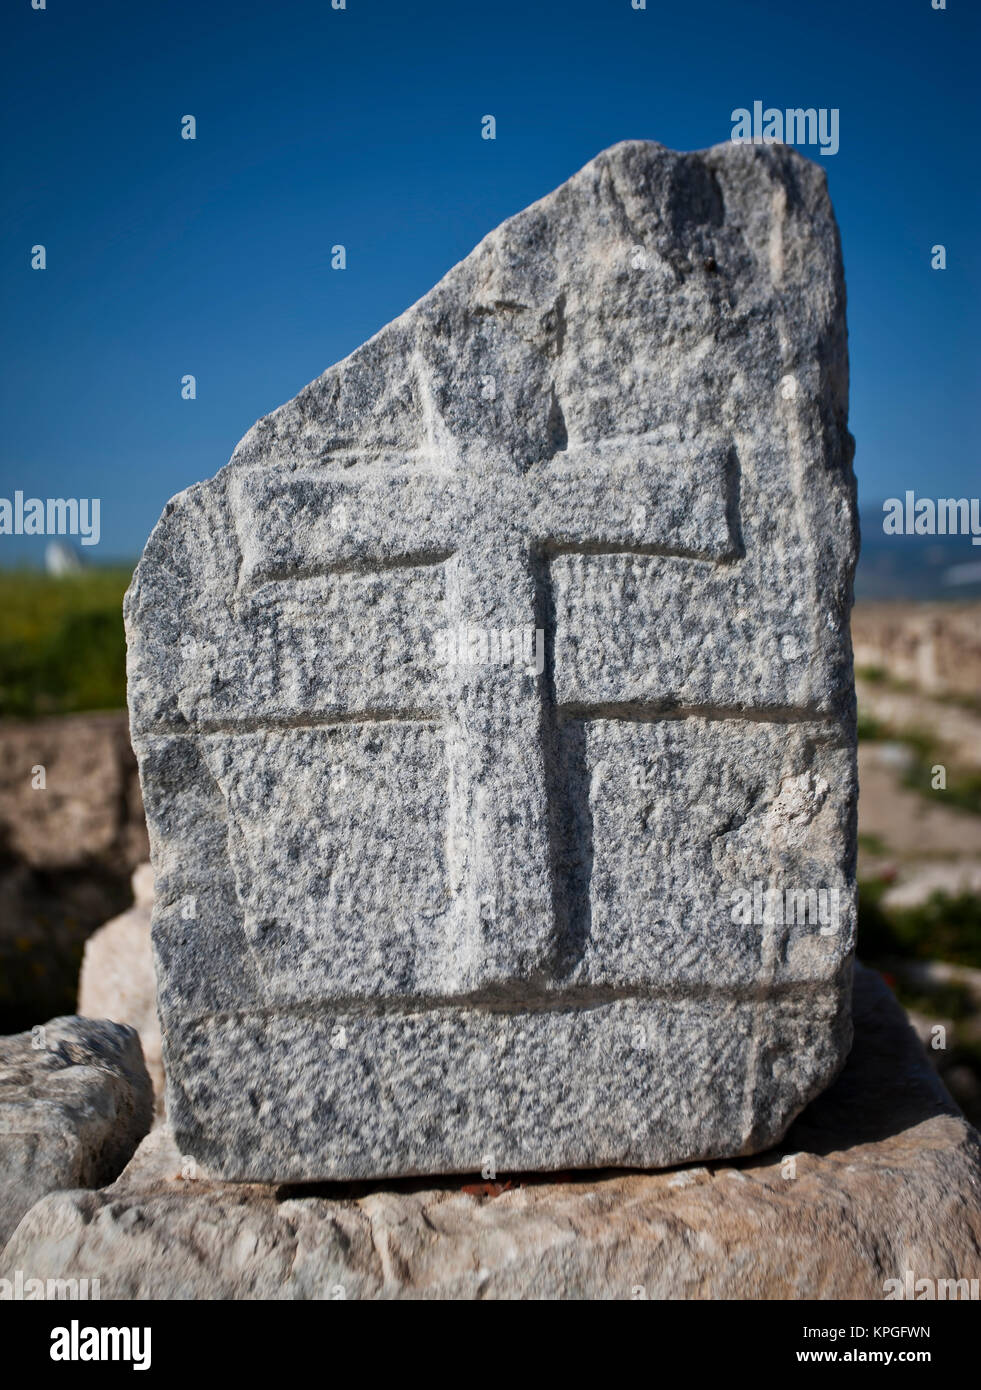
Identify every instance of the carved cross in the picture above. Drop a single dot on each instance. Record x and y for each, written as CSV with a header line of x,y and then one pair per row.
x,y
494,527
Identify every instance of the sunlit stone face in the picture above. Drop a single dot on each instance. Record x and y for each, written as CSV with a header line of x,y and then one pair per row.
x,y
492,699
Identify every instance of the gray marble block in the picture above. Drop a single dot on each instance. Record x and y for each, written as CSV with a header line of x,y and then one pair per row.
x,y
494,706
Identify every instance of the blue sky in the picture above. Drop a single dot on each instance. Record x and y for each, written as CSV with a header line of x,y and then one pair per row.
x,y
362,126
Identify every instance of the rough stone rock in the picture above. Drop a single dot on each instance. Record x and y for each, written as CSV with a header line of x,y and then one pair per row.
x,y
117,979
66,853
431,895
879,1175
75,1101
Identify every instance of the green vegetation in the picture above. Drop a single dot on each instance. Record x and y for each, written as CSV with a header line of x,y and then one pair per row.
x,y
963,789
946,929
943,928
972,703
945,999
872,844
62,648
877,675
870,729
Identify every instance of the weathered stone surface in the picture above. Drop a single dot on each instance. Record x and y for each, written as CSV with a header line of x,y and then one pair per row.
x,y
117,979
886,1176
75,1100
415,913
66,853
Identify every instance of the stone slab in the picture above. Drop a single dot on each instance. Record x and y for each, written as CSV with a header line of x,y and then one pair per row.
x,y
426,894
880,1175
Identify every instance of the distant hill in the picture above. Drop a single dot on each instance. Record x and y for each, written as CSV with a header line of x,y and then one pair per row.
x,y
915,567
